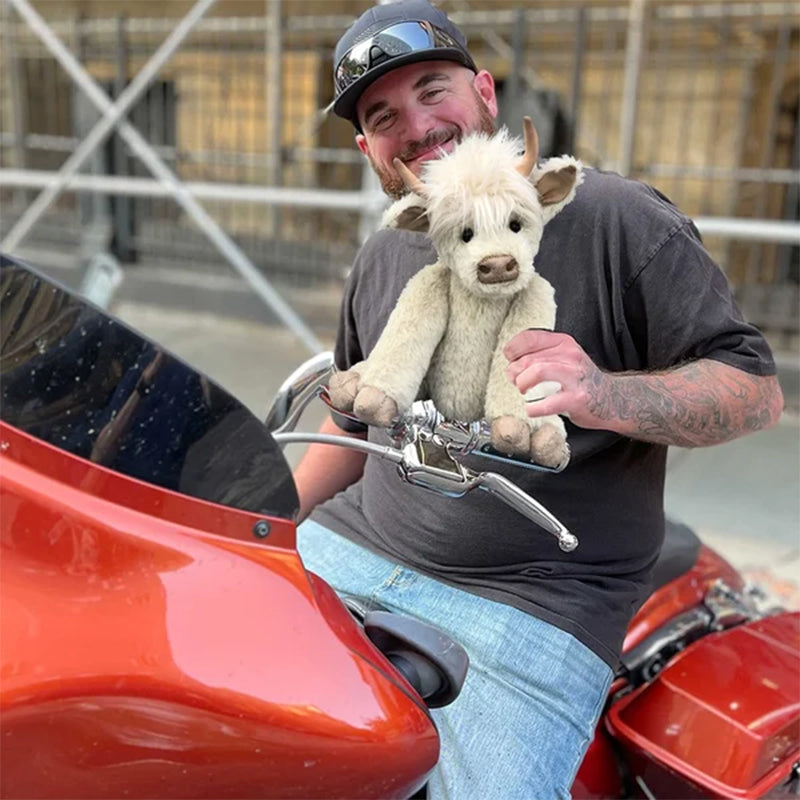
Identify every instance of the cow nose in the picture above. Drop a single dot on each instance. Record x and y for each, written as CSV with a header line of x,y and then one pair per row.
x,y
498,269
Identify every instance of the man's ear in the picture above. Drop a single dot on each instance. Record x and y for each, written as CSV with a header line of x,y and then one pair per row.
x,y
483,83
361,143
408,213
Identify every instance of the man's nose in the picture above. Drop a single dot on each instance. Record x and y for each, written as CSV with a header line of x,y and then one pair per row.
x,y
418,124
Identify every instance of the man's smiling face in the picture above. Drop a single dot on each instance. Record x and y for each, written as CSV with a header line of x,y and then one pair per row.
x,y
418,111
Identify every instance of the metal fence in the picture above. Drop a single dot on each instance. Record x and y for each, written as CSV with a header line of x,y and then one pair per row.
x,y
701,99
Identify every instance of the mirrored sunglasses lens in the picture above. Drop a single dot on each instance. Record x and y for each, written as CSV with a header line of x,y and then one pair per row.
x,y
406,38
397,40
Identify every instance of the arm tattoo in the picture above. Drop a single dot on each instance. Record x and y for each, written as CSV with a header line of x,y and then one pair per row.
x,y
701,403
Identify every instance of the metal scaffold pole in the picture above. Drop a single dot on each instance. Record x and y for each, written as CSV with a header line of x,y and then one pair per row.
x,y
630,92
274,101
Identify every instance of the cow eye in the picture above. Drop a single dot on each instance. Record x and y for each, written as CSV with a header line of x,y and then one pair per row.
x,y
467,234
515,225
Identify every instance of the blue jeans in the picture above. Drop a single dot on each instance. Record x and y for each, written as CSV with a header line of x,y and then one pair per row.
x,y
533,693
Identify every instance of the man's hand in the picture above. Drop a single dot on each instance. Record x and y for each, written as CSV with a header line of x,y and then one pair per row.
x,y
536,356
700,403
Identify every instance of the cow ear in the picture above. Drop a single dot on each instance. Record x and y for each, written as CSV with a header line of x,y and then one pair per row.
x,y
556,181
555,185
409,213
413,218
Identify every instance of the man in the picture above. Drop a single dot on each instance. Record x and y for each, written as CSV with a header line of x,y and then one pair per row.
x,y
650,351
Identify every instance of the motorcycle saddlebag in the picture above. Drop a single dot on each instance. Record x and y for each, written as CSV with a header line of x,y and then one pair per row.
x,y
722,719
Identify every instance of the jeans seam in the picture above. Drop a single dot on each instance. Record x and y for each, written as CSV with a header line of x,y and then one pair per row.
x,y
595,719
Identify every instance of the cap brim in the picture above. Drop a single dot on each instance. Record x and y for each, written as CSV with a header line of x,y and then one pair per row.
x,y
345,105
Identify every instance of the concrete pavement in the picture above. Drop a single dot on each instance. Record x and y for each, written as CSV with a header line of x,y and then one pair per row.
x,y
743,498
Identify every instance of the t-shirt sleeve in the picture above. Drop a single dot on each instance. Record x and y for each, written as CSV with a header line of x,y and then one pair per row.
x,y
347,348
679,307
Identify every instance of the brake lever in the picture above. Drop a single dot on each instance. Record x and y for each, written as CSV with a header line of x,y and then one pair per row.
x,y
511,494
457,480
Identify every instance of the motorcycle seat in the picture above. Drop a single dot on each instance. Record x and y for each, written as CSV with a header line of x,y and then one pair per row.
x,y
678,553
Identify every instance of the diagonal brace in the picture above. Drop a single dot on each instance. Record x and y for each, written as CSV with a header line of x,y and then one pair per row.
x,y
112,112
113,115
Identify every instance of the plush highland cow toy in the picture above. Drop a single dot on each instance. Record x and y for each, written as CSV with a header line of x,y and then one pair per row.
x,y
484,207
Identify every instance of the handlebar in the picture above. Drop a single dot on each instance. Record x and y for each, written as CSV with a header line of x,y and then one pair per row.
x,y
428,451
459,439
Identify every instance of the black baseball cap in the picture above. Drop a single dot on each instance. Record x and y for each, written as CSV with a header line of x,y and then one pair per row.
x,y
388,36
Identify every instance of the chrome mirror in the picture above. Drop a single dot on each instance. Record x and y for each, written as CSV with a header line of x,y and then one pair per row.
x,y
297,391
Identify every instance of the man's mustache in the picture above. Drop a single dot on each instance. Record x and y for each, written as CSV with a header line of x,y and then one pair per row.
x,y
433,139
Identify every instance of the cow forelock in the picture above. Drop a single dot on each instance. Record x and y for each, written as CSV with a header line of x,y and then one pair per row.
x,y
481,166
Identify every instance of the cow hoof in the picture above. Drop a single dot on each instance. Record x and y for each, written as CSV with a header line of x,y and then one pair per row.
x,y
375,407
549,447
511,436
343,388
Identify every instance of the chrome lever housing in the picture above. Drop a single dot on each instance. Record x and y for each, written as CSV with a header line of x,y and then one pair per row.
x,y
459,439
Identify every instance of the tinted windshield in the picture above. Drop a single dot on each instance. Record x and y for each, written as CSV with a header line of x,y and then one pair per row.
x,y
81,380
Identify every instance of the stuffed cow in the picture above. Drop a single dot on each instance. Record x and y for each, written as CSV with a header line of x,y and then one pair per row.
x,y
484,207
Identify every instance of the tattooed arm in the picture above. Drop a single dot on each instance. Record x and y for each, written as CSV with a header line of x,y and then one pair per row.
x,y
696,404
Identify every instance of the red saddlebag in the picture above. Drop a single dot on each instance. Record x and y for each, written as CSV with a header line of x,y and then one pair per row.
x,y
723,718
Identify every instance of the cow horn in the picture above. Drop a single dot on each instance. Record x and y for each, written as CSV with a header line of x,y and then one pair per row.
x,y
412,182
528,160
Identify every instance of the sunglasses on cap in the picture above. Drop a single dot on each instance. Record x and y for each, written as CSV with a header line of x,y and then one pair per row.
x,y
395,41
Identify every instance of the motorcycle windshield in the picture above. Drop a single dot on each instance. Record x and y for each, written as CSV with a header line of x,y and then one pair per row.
x,y
81,380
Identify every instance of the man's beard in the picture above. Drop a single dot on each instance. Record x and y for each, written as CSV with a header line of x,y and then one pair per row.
x,y
393,184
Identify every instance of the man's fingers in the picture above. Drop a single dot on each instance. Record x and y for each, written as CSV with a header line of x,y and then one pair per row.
x,y
524,373
538,372
532,341
515,368
529,363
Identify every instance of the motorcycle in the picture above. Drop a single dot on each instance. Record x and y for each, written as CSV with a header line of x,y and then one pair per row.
x,y
160,636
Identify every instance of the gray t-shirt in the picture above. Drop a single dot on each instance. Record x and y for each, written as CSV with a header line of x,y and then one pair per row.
x,y
637,290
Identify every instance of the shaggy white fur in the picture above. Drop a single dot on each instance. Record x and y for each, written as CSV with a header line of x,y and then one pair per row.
x,y
485,211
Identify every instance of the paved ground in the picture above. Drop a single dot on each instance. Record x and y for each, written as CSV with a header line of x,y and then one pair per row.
x,y
742,497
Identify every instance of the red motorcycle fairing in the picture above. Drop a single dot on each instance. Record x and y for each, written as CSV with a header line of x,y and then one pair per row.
x,y
144,655
686,591
600,774
724,716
